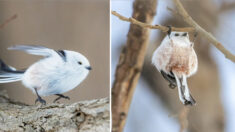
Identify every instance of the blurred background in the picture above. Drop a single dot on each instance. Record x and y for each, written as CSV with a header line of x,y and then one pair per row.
x,y
78,25
155,107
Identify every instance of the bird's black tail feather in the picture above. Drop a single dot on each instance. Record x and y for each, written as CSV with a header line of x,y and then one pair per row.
x,y
9,74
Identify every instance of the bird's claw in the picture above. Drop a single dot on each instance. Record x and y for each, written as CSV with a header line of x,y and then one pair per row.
x,y
189,102
66,97
172,86
61,96
186,102
42,101
169,31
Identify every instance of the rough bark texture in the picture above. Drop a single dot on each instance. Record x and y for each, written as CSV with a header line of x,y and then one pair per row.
x,y
130,63
84,116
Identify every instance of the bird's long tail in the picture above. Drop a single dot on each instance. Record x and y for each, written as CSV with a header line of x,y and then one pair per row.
x,y
187,93
184,93
9,74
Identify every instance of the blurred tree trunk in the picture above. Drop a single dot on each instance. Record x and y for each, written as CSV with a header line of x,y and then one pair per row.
x,y
207,115
130,63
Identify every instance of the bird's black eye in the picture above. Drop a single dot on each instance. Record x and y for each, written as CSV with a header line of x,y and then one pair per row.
x,y
176,34
184,34
80,63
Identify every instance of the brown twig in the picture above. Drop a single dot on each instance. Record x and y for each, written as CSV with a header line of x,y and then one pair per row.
x,y
226,7
8,20
189,20
162,28
183,118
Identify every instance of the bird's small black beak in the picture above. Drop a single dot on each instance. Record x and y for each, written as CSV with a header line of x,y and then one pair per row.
x,y
88,68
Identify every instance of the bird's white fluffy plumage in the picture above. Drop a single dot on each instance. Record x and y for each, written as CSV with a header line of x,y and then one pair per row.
x,y
55,76
57,73
176,57
176,52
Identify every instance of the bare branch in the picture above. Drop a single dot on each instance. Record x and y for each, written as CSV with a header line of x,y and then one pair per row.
x,y
162,28
183,118
8,20
188,19
226,7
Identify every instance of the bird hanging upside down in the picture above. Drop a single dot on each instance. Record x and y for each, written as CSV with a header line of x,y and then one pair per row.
x,y
176,60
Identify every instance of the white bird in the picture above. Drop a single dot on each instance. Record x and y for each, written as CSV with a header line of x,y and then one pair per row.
x,y
176,59
58,72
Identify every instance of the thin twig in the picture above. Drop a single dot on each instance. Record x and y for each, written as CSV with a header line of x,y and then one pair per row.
x,y
183,118
162,28
8,20
226,7
188,19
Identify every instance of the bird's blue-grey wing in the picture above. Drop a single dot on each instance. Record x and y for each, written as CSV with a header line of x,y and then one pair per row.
x,y
34,50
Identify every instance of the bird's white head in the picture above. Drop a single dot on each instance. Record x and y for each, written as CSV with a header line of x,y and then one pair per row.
x,y
180,38
179,35
78,61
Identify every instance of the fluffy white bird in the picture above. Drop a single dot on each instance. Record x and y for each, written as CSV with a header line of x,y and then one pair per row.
x,y
176,59
58,72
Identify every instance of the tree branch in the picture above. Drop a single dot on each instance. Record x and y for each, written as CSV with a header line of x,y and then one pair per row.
x,y
225,6
131,62
145,25
8,20
183,118
188,19
84,116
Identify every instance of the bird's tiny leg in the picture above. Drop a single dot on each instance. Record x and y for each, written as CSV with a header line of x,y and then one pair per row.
x,y
61,96
169,31
39,99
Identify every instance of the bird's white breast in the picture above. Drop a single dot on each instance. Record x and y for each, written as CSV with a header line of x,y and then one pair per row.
x,y
162,55
52,77
175,55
